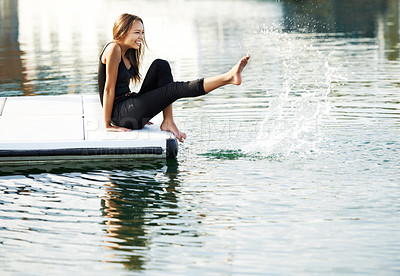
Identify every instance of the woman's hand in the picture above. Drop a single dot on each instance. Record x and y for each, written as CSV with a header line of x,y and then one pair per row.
x,y
112,128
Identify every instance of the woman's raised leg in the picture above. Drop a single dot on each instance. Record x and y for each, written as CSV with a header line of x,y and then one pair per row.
x,y
233,76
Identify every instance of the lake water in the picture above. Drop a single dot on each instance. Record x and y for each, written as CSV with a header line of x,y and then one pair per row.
x,y
296,171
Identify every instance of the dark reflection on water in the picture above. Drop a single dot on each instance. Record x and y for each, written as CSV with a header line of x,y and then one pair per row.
x,y
134,199
350,18
65,167
140,195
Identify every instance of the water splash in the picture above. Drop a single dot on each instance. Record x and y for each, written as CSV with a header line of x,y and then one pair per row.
x,y
294,117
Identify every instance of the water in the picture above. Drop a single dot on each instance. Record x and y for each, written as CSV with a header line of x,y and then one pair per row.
x,y
294,172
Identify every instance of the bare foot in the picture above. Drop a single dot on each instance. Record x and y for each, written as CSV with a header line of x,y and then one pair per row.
x,y
236,71
171,126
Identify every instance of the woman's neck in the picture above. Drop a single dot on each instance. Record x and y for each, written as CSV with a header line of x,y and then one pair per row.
x,y
124,48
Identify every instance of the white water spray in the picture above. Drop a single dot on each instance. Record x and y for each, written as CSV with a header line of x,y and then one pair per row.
x,y
293,119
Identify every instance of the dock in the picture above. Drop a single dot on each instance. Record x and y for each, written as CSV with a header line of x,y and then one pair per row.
x,y
70,127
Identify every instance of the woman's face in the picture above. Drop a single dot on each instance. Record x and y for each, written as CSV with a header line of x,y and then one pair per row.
x,y
134,37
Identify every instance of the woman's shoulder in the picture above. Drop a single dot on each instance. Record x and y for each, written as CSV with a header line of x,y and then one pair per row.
x,y
111,51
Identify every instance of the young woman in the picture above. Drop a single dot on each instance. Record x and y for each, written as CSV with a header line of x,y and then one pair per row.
x,y
119,64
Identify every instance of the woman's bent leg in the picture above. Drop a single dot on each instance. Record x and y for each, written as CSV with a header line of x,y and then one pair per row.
x,y
158,75
136,111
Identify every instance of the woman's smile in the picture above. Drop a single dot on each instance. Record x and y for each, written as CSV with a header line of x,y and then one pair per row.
x,y
134,37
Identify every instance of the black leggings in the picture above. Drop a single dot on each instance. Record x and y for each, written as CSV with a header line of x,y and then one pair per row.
x,y
157,92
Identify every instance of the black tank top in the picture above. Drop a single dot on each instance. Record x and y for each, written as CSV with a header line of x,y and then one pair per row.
x,y
123,78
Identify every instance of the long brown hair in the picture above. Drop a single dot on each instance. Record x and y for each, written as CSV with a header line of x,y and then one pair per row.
x,y
120,29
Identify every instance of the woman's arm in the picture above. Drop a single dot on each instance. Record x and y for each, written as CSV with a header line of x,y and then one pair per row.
x,y
111,57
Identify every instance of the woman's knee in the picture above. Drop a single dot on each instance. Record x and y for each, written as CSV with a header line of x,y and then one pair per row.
x,y
162,71
162,65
